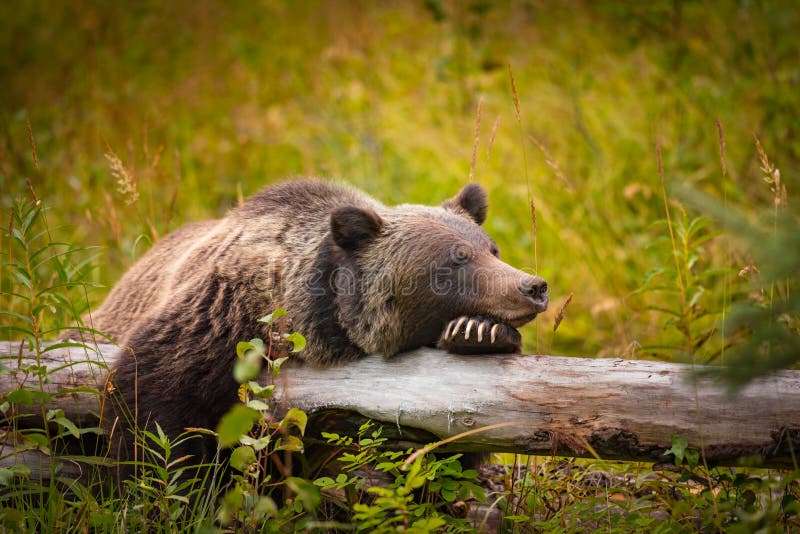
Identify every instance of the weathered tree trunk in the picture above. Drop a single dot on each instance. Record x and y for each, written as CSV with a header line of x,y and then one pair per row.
x,y
622,409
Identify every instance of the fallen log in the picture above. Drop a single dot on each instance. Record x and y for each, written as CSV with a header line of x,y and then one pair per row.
x,y
614,408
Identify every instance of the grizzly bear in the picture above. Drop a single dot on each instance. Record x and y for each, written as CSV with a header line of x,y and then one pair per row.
x,y
355,276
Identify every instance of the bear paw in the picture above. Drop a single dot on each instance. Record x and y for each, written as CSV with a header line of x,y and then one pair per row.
x,y
479,335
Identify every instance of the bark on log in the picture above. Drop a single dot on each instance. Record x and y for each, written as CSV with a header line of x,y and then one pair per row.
x,y
620,409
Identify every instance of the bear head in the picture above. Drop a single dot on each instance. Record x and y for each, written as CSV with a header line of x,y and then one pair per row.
x,y
401,274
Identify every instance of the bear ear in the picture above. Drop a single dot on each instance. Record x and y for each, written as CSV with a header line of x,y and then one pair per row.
x,y
351,227
472,201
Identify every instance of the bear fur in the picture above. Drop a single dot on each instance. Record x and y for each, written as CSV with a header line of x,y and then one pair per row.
x,y
355,276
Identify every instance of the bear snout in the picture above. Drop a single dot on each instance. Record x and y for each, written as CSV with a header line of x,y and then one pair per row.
x,y
535,288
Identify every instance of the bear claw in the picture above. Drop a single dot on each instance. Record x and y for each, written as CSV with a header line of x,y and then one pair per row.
x,y
458,325
502,338
470,323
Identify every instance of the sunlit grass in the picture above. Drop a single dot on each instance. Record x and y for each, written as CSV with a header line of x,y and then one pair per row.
x,y
133,119
200,102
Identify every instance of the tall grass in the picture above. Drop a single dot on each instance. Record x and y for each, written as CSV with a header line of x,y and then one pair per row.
x,y
133,121
532,495
382,97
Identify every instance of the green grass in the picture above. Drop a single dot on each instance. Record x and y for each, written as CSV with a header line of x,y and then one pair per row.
x,y
194,104
200,101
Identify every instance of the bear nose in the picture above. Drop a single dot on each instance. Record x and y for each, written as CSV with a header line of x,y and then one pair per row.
x,y
534,288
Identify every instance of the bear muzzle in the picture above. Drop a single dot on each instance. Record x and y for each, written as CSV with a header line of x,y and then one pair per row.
x,y
533,301
535,289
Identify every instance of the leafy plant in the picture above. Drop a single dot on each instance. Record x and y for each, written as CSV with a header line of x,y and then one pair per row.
x,y
765,324
262,451
384,497
166,491
43,284
682,290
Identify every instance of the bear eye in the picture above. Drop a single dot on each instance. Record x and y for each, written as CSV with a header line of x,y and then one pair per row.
x,y
460,254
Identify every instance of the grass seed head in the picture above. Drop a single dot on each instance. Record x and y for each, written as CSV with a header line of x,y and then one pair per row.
x,y
32,143
721,136
476,141
562,311
126,183
491,136
514,93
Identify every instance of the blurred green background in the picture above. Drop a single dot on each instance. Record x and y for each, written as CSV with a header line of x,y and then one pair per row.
x,y
205,102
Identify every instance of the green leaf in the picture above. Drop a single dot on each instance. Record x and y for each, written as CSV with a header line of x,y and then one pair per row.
x,y
17,315
23,277
477,491
258,405
652,274
68,425
20,396
242,347
242,458
255,344
678,448
162,437
265,392
236,423
276,365
16,234
428,524
257,444
251,357
696,296
289,443
297,340
7,474
247,367
692,457
324,482
307,493
295,417
451,485
30,218
697,224
233,499
39,440
266,507
64,345
27,397
414,479
279,312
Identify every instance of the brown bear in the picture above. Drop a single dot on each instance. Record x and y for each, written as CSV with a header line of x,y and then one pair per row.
x,y
356,277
